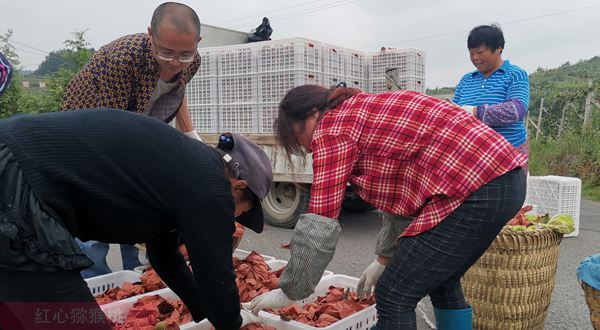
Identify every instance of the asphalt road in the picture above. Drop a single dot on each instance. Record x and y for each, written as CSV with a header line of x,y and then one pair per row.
x,y
355,251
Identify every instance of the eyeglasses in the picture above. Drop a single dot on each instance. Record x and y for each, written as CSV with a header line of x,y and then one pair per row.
x,y
169,58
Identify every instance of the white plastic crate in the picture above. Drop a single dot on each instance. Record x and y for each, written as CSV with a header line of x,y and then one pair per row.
x,y
410,62
99,284
355,64
237,59
243,254
239,118
289,54
202,90
117,311
240,88
205,117
365,319
208,62
411,83
357,83
273,86
555,195
333,60
267,112
330,80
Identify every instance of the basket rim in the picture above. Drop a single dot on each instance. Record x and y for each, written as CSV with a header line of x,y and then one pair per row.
x,y
538,232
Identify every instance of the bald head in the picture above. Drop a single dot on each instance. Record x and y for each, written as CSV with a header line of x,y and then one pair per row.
x,y
180,16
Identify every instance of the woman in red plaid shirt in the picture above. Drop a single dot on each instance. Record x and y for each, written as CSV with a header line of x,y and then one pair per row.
x,y
446,183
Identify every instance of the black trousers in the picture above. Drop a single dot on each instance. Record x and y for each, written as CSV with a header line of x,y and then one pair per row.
x,y
48,300
433,262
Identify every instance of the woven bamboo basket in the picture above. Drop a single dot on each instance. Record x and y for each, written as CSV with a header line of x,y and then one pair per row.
x,y
510,286
592,298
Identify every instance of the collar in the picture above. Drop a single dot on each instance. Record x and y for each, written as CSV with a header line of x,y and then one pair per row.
x,y
149,59
502,69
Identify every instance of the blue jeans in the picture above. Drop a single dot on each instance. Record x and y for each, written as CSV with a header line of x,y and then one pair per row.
x,y
98,251
433,262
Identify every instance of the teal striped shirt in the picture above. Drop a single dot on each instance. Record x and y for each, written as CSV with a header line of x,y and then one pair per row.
x,y
506,83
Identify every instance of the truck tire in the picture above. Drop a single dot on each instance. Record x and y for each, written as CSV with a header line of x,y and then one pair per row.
x,y
284,203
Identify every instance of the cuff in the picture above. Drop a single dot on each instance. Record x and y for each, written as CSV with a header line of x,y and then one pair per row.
x,y
193,135
311,249
393,227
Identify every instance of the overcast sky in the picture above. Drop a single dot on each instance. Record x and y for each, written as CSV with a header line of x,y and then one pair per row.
x,y
538,33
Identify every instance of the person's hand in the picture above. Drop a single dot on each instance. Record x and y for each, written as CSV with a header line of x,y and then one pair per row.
x,y
369,278
469,109
272,299
249,318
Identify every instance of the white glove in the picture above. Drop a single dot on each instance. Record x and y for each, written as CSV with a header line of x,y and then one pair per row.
x,y
249,318
369,278
193,135
272,299
468,108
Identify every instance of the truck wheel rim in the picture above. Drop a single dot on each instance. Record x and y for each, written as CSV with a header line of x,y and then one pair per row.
x,y
283,197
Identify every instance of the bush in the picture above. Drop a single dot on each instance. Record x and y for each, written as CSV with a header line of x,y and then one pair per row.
x,y
574,154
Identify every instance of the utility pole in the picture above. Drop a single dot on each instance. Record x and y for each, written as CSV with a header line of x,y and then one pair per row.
x,y
562,119
539,122
588,106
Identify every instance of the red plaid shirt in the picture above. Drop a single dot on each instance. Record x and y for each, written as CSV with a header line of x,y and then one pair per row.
x,y
405,153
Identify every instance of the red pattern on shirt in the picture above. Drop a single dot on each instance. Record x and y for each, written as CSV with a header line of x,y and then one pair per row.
x,y
405,153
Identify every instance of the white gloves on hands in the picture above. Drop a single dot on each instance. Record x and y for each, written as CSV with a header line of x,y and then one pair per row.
x,y
272,299
369,278
193,135
249,318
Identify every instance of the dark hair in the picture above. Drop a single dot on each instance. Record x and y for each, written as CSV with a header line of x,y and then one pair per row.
x,y
301,102
181,16
489,36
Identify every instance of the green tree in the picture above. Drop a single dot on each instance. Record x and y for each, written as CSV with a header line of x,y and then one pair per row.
x,y
54,62
76,52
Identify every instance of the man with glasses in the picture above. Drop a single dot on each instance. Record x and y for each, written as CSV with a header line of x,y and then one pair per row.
x,y
144,73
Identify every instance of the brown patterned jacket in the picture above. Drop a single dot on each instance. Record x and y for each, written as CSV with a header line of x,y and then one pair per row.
x,y
120,75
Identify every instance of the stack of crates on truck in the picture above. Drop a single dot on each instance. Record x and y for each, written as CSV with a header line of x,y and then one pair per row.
x,y
555,195
203,93
238,88
355,63
333,65
409,62
283,65
238,94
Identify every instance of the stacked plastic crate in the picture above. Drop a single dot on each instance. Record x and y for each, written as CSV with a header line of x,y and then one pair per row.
x,y
555,195
334,69
238,88
356,69
203,94
283,65
410,62
238,97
